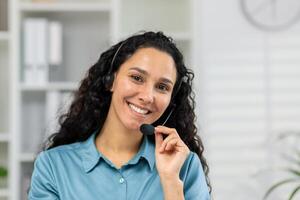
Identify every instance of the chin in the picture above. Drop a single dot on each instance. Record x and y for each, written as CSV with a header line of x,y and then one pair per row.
x,y
134,126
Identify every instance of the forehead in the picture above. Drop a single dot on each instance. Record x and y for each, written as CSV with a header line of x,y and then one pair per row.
x,y
154,61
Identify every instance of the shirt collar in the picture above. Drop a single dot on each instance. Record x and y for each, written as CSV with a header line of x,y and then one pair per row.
x,y
147,151
91,156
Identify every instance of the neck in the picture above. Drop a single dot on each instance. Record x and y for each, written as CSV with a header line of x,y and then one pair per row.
x,y
115,138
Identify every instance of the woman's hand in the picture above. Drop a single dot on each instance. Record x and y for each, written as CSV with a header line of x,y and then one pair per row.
x,y
170,153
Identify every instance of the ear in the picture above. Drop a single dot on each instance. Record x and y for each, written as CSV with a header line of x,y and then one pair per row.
x,y
113,83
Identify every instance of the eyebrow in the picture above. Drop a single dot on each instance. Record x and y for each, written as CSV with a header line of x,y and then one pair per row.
x,y
166,80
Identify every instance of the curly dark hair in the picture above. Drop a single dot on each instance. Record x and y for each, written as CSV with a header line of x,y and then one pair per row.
x,y
89,108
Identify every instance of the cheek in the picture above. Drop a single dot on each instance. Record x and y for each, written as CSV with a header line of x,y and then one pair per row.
x,y
164,103
122,86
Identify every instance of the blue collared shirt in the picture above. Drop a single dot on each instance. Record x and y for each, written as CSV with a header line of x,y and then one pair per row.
x,y
79,171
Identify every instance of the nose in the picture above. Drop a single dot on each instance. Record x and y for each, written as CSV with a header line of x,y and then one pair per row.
x,y
146,95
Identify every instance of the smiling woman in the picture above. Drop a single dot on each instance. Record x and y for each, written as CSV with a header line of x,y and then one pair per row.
x,y
142,88
99,150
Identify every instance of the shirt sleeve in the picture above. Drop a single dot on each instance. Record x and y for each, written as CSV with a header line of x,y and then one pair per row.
x,y
43,185
195,186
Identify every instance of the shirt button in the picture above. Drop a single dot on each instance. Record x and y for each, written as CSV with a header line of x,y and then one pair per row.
x,y
121,180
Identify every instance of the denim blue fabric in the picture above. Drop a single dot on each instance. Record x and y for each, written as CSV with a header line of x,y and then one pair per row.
x,y
79,171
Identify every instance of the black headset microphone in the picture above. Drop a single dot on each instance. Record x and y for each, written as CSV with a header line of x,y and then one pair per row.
x,y
146,129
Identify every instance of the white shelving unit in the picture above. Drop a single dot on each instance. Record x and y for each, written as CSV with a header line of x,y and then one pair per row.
x,y
89,28
5,144
65,7
50,86
4,36
4,193
4,137
26,157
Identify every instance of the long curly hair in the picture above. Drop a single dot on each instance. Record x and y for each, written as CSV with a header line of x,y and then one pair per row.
x,y
89,109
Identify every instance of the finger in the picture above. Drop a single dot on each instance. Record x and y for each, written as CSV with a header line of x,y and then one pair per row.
x,y
171,144
176,144
166,140
165,130
158,140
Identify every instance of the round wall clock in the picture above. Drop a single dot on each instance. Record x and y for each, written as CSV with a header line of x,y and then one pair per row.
x,y
271,15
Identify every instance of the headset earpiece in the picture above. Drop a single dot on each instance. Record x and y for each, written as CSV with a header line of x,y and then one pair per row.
x,y
109,78
108,81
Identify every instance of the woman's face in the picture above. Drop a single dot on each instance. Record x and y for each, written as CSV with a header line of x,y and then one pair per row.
x,y
142,88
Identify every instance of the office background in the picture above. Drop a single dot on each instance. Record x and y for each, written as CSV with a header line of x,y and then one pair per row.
x,y
245,55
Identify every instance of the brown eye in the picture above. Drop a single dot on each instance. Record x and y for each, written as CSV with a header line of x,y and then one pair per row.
x,y
137,78
163,87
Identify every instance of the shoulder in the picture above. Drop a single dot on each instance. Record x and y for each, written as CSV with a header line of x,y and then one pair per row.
x,y
193,177
192,161
51,156
51,163
51,167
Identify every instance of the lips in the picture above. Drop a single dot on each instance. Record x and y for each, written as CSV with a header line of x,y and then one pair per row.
x,y
138,110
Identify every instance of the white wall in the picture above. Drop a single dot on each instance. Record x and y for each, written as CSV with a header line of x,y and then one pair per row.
x,y
248,92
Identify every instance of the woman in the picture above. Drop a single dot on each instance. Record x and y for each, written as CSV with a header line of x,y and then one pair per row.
x,y
99,151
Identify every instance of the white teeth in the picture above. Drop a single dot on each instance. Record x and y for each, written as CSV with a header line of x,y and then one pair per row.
x,y
138,110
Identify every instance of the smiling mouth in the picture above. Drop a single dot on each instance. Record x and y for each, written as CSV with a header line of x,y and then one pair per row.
x,y
138,109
